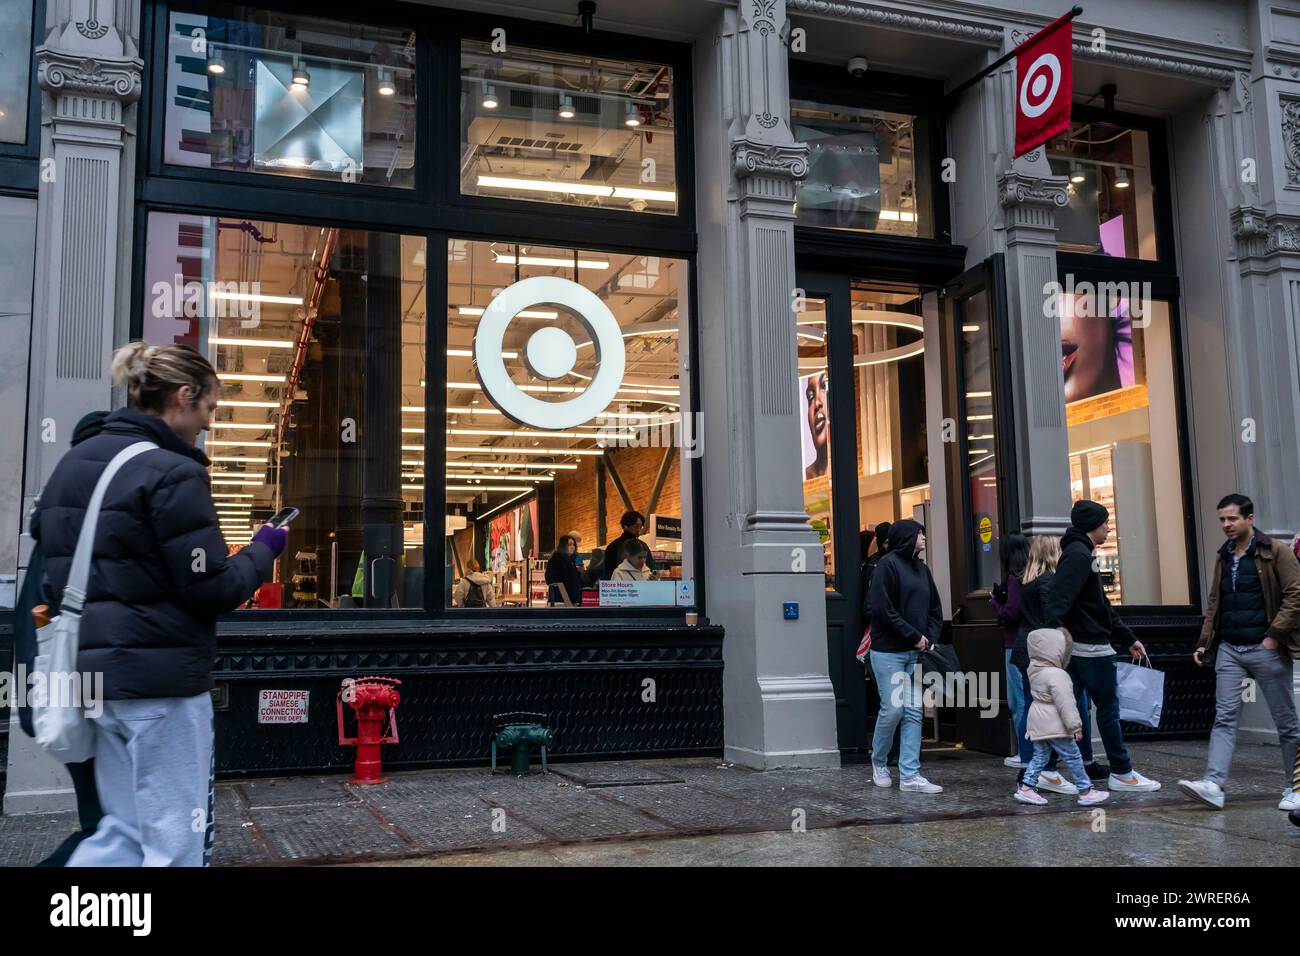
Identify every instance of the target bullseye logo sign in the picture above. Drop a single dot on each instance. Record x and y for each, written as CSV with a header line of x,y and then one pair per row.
x,y
1043,86
1039,87
550,353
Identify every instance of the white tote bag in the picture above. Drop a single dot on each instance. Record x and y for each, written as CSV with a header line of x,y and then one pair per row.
x,y
1141,693
58,718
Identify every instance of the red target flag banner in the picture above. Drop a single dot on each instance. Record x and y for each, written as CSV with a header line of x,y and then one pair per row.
x,y
1043,85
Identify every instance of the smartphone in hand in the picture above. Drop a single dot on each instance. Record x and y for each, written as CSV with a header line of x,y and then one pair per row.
x,y
282,517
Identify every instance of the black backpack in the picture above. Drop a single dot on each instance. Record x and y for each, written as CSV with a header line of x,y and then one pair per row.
x,y
474,596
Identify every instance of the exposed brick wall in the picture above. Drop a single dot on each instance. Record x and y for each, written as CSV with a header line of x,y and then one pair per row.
x,y
575,493
1107,403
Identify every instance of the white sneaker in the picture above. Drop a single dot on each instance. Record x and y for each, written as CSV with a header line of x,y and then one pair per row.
x,y
1030,795
880,776
1092,797
1014,761
1290,800
1055,783
1133,782
1207,791
918,784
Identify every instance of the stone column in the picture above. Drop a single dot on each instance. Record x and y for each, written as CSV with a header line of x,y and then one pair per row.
x,y
89,72
779,706
1030,195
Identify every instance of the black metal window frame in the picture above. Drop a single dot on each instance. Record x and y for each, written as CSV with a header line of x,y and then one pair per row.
x,y
1162,273
436,211
20,162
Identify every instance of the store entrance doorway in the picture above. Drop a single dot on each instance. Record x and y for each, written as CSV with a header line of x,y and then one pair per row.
x,y
866,450
915,435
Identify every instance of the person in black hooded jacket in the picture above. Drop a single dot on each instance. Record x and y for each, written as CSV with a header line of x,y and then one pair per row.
x,y
160,575
906,619
1077,603
82,772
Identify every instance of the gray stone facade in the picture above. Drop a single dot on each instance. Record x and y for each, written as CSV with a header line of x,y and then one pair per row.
x,y
1225,76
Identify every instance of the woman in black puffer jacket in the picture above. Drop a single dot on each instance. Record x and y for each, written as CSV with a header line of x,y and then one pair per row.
x,y
159,577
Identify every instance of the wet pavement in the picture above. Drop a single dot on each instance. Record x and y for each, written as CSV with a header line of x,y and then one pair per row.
x,y
701,812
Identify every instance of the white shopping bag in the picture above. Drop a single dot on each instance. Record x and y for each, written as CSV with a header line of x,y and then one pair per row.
x,y
60,722
1141,693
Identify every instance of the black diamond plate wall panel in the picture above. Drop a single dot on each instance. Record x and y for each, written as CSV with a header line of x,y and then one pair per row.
x,y
1189,690
594,690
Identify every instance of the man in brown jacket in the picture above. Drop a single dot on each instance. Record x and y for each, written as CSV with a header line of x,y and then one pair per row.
x,y
1252,633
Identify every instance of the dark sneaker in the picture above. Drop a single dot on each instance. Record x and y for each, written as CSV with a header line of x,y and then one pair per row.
x,y
1097,770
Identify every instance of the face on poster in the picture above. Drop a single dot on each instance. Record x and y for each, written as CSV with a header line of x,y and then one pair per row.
x,y
1096,350
815,424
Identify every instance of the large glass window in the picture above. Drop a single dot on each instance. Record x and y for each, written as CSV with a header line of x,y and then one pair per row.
x,y
1111,209
317,335
1121,410
813,339
563,128
567,406
889,385
266,92
15,68
978,425
17,262
866,170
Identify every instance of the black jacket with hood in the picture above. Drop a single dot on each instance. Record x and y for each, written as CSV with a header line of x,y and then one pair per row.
x,y
159,573
1076,600
904,601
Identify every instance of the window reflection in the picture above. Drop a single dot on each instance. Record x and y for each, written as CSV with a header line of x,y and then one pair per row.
x,y
265,92
815,425
979,428
15,68
862,170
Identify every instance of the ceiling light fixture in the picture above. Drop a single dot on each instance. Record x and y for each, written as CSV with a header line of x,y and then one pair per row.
x,y
216,65
386,87
632,115
566,107
301,78
490,101
1076,172
1122,180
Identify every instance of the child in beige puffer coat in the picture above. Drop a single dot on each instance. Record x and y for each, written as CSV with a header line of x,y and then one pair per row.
x,y
1054,722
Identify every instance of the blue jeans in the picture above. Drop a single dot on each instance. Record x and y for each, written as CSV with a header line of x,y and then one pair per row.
x,y
1085,711
1017,695
1068,751
900,703
1096,675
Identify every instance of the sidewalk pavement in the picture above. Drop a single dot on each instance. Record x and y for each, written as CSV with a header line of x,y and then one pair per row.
x,y
638,812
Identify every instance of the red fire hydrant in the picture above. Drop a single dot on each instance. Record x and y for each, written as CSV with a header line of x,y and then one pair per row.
x,y
374,699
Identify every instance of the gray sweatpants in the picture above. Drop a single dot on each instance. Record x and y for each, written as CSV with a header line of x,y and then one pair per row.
x,y
153,771
1272,673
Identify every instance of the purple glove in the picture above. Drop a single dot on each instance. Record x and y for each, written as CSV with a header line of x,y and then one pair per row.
x,y
273,538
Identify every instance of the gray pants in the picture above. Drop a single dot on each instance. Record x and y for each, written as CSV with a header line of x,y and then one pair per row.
x,y
1272,673
153,771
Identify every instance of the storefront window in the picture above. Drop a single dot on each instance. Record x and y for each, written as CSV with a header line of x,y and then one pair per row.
x,y
318,337
979,429
1111,195
889,385
561,128
865,170
1121,409
17,261
15,68
567,405
815,425
265,92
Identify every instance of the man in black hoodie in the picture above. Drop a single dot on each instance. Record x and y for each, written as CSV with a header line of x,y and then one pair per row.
x,y
1077,603
906,619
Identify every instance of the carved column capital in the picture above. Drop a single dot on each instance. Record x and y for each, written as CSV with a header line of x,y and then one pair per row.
x,y
1031,201
117,78
789,161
